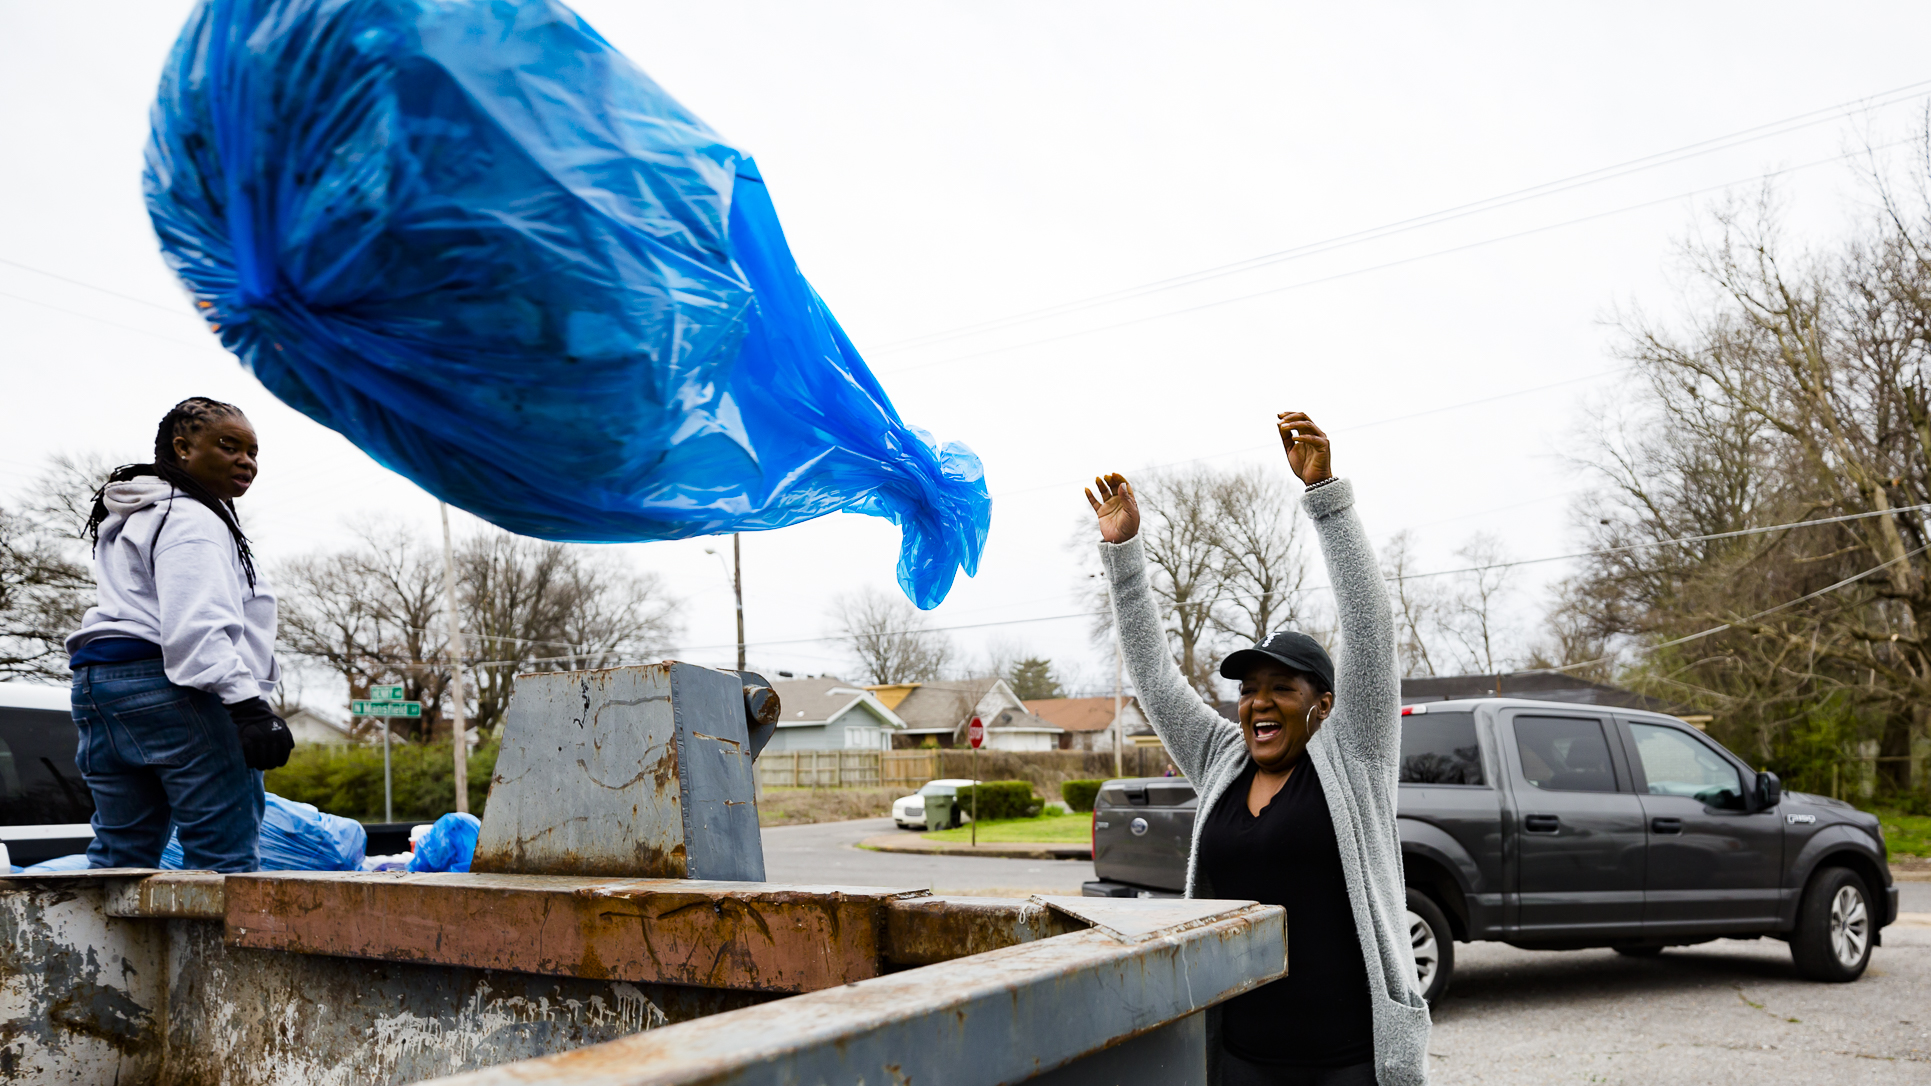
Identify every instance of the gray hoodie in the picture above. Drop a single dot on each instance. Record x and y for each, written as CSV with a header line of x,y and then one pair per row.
x,y
168,573
1356,751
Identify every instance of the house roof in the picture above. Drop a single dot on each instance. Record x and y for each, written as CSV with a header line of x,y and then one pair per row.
x,y
1077,714
942,704
819,701
1536,685
944,707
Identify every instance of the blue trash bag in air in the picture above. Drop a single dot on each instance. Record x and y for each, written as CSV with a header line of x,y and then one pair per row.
x,y
485,247
296,837
449,845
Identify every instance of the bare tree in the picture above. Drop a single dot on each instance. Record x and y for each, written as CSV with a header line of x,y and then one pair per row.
x,y
1476,611
1262,567
892,640
46,580
1793,387
1180,531
43,594
374,614
1418,605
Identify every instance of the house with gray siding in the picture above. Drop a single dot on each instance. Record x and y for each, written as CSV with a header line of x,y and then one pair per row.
x,y
831,714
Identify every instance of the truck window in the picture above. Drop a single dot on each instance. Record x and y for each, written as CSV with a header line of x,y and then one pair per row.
x,y
1676,765
1564,754
38,782
1440,748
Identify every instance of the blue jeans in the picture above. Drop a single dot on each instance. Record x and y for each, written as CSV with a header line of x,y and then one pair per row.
x,y
155,753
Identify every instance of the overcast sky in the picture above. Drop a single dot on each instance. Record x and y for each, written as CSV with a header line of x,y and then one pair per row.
x,y
939,166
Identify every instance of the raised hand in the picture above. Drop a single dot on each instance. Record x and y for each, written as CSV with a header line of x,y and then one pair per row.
x,y
1307,447
1116,507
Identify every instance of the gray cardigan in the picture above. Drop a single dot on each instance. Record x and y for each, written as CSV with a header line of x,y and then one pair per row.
x,y
1356,752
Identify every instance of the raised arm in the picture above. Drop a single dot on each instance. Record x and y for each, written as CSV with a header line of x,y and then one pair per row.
x,y
1190,728
1367,686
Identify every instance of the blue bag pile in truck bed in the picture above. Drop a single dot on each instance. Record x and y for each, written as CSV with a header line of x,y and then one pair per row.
x,y
480,243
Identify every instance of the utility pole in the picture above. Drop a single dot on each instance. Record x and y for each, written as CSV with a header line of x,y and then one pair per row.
x,y
459,733
737,586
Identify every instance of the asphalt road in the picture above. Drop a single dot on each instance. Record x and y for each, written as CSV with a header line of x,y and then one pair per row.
x,y
1727,1012
826,853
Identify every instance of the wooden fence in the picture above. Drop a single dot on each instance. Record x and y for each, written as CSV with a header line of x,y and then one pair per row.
x,y
907,769
819,769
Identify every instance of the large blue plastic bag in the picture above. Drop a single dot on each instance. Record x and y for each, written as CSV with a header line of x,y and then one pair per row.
x,y
75,862
296,837
477,241
449,845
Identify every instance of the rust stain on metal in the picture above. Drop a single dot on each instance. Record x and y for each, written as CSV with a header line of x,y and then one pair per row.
x,y
743,936
929,930
172,895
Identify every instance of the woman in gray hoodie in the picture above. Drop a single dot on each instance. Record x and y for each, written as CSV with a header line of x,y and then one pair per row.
x,y
173,665
1297,801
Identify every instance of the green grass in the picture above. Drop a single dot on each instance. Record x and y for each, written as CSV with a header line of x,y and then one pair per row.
x,y
1906,834
1052,828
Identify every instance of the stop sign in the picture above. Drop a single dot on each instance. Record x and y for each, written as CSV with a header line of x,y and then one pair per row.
x,y
976,732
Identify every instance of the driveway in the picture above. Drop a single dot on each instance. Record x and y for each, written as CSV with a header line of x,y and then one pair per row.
x,y
827,852
1726,1012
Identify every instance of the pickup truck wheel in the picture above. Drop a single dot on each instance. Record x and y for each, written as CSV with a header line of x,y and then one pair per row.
x,y
1834,926
1434,944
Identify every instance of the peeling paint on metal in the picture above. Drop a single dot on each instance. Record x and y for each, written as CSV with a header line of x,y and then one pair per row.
x,y
999,1017
752,936
624,772
928,930
78,989
253,1018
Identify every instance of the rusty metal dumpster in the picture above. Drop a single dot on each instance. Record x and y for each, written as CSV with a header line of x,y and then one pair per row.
x,y
138,977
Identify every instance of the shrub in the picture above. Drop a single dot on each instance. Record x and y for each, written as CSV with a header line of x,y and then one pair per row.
x,y
347,781
1001,799
1079,795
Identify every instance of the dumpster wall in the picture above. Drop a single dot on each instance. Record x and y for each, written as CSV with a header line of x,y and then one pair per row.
x,y
78,990
90,998
140,978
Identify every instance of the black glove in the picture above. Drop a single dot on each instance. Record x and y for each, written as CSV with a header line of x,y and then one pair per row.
x,y
265,739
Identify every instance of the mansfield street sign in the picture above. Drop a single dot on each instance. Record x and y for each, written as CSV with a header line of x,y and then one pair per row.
x,y
386,708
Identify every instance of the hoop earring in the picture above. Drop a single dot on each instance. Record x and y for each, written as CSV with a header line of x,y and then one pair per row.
x,y
1308,721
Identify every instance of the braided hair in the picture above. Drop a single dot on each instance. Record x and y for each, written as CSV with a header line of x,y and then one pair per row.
x,y
190,416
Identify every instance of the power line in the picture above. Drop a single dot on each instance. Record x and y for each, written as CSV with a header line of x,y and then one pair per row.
x,y
1351,428
102,320
1319,588
1728,625
1547,188
1319,280
1673,542
104,290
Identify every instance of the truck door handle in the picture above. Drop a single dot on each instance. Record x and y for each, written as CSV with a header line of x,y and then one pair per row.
x,y
1541,823
1666,825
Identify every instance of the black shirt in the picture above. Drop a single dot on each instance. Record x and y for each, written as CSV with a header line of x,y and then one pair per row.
x,y
1318,1015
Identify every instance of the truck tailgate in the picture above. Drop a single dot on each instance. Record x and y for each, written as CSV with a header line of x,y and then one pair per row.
x,y
1142,831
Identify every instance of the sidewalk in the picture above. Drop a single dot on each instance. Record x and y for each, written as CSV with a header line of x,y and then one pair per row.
x,y
1008,850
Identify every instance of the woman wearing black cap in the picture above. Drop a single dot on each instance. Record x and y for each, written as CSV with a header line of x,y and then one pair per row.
x,y
1297,804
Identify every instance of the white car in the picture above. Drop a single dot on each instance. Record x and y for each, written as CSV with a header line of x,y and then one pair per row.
x,y
45,807
931,807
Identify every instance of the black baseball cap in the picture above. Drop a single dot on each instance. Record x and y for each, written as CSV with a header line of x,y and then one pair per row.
x,y
1289,649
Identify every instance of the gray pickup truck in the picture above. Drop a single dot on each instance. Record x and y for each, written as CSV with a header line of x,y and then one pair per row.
x,y
1556,826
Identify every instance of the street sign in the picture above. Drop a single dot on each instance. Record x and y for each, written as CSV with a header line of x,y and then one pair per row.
x,y
976,732
386,693
386,708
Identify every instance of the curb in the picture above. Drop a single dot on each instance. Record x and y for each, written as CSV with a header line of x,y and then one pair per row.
x,y
1007,851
